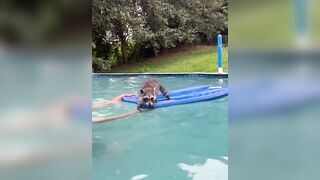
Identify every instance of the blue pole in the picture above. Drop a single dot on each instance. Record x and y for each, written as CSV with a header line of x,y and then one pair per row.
x,y
301,16
220,70
301,9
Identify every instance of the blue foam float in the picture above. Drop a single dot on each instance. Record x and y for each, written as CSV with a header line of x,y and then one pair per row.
x,y
186,95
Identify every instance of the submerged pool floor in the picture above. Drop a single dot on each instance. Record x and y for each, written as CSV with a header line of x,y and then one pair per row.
x,y
178,142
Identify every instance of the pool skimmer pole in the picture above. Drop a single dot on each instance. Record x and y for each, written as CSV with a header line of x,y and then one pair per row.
x,y
220,69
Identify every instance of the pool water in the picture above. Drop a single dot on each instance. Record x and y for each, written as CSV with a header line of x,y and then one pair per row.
x,y
187,141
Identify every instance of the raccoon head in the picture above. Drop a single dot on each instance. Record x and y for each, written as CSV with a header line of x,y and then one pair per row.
x,y
148,96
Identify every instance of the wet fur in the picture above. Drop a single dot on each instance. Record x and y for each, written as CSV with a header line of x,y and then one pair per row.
x,y
149,92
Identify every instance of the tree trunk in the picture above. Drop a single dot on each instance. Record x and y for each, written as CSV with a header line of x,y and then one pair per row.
x,y
155,52
124,51
124,45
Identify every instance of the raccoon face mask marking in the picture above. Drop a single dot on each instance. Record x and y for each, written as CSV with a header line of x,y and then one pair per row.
x,y
148,96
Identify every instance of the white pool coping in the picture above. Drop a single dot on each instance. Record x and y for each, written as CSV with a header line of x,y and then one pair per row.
x,y
180,73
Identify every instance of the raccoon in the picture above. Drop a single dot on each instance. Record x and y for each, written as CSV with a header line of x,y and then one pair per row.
x,y
149,92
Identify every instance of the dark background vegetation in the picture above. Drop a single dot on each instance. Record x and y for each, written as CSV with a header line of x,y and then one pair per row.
x,y
44,23
128,31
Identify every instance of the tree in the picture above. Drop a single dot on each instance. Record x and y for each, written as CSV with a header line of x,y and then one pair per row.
x,y
155,14
202,17
128,26
117,18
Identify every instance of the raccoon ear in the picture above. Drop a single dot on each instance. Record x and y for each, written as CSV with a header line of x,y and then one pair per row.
x,y
141,91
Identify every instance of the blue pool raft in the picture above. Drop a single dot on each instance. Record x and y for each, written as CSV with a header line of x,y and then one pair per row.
x,y
187,95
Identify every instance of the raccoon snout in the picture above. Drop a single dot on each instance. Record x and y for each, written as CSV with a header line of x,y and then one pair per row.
x,y
150,104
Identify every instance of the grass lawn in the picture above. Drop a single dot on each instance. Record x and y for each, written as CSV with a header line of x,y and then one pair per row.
x,y
200,59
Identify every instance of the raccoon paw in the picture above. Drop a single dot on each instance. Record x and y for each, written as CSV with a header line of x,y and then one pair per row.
x,y
139,108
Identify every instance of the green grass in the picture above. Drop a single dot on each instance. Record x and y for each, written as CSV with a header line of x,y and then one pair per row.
x,y
200,60
268,24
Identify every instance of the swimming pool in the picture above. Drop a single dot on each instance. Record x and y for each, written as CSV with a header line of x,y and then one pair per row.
x,y
179,142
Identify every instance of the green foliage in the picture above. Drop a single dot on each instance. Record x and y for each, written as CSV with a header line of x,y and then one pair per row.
x,y
144,28
100,65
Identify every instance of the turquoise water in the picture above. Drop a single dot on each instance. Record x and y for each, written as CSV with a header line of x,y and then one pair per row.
x,y
179,142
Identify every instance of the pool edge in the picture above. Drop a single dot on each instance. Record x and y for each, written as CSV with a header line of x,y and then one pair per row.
x,y
218,75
